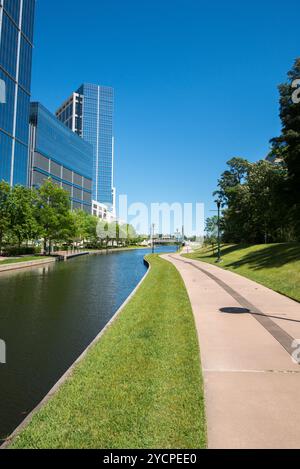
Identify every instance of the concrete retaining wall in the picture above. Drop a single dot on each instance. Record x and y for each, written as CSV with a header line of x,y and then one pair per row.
x,y
111,251
25,264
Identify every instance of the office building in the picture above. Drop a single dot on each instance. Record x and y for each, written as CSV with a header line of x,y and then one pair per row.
x,y
101,211
89,113
16,43
57,152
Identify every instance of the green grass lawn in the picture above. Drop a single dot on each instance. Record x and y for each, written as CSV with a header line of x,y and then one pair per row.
x,y
21,259
276,266
140,386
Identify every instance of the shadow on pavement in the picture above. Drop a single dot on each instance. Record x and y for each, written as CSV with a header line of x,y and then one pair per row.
x,y
234,310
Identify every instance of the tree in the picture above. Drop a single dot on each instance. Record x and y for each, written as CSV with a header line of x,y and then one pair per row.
x,y
287,145
105,231
254,209
91,227
236,221
4,211
233,193
211,230
68,231
80,224
53,213
231,178
266,207
261,200
23,224
85,226
114,231
131,234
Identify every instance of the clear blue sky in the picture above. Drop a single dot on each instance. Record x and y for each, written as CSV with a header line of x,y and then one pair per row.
x,y
195,82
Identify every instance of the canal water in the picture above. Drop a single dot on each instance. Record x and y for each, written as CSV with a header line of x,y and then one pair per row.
x,y
49,315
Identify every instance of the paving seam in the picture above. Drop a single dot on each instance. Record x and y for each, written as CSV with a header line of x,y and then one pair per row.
x,y
282,337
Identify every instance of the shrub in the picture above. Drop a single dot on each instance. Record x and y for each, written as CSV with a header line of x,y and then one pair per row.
x,y
13,251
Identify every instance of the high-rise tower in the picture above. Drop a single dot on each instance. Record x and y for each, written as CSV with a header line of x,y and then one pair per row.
x,y
16,43
89,113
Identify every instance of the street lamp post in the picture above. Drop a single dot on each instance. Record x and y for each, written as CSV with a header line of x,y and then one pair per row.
x,y
219,231
177,238
153,228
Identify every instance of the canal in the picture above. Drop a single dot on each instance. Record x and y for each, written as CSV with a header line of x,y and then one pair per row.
x,y
49,315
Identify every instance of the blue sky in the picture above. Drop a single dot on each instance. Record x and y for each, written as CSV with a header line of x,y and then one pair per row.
x,y
195,82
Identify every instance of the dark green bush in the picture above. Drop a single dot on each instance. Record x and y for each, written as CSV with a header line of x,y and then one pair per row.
x,y
13,251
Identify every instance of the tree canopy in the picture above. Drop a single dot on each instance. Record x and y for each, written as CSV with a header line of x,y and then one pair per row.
x,y
287,145
261,200
33,215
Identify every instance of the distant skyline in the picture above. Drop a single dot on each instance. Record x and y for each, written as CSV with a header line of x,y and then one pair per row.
x,y
195,83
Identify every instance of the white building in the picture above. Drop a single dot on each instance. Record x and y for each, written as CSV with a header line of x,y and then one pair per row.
x,y
101,211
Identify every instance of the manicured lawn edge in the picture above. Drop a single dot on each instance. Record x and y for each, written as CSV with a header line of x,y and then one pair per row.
x,y
275,266
8,266
21,259
140,386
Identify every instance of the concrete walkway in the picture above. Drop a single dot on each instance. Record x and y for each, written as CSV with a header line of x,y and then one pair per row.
x,y
246,331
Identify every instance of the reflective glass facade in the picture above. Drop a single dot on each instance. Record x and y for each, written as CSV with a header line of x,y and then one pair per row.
x,y
57,152
16,37
89,113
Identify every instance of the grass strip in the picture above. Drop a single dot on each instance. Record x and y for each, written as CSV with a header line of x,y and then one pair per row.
x,y
22,259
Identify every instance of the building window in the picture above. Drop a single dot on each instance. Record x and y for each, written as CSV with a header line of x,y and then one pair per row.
x,y
20,164
38,179
67,175
41,162
5,160
7,117
77,193
77,206
55,169
22,116
87,197
77,179
9,46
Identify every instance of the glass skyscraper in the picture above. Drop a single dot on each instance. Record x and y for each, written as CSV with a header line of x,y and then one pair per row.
x,y
89,113
16,43
58,153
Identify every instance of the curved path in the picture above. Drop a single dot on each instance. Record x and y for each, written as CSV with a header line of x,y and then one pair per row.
x,y
246,333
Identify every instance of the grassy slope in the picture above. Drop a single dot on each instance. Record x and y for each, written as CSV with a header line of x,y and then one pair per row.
x,y
276,266
140,386
21,259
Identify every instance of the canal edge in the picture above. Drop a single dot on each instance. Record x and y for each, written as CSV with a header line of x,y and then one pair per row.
x,y
25,265
52,260
70,370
